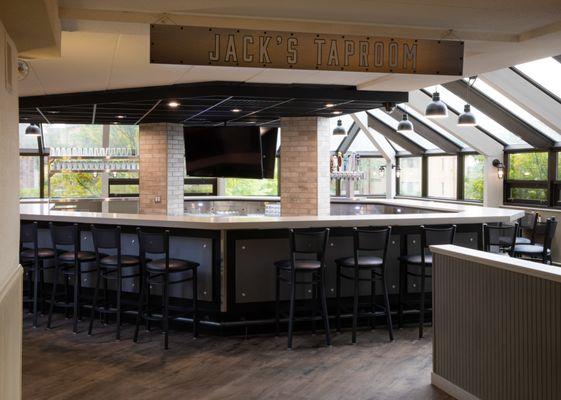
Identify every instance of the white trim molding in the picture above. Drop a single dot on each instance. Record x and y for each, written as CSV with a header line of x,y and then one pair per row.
x,y
446,386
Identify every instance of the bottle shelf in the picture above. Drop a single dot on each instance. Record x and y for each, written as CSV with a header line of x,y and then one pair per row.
x,y
347,175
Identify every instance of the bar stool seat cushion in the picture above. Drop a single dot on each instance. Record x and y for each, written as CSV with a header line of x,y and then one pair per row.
x,y
42,253
301,265
125,260
82,256
363,262
175,265
416,259
519,240
530,249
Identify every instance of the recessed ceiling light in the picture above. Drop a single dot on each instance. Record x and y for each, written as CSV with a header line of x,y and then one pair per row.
x,y
329,105
53,112
337,112
236,110
173,104
121,116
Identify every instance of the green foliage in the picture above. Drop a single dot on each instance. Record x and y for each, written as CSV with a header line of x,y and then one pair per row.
x,y
528,166
473,177
251,187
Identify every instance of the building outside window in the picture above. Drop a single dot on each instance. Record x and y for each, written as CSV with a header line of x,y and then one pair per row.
x,y
374,182
473,177
411,176
442,176
29,176
527,178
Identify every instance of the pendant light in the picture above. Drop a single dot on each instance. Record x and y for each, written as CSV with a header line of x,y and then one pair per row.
x,y
436,108
467,118
339,130
33,130
405,126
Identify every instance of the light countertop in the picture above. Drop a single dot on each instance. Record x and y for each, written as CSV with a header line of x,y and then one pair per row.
x,y
444,213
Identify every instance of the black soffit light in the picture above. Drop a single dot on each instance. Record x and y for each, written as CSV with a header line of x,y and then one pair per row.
x,y
33,130
436,108
339,130
405,126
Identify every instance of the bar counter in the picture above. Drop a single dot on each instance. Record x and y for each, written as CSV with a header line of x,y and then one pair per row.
x,y
236,253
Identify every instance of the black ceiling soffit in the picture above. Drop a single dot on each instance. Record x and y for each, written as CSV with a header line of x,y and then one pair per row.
x,y
209,103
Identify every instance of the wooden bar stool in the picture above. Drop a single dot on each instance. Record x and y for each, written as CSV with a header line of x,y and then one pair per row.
x,y
163,271
370,247
304,243
32,259
68,261
110,268
429,236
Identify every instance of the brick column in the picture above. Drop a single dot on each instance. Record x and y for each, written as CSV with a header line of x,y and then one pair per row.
x,y
305,178
162,153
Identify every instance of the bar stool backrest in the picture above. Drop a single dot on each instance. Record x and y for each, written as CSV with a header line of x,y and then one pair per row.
x,y
309,242
502,236
106,238
432,236
64,235
529,223
550,228
153,243
28,235
372,240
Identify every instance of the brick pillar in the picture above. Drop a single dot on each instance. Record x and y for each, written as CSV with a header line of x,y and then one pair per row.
x,y
305,178
162,153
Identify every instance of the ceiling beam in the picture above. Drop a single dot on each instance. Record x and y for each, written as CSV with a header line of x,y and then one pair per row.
x,y
327,93
391,134
523,91
427,132
280,103
501,115
470,135
148,112
349,139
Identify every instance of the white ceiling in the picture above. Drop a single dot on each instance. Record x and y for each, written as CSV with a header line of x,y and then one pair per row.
x,y
103,49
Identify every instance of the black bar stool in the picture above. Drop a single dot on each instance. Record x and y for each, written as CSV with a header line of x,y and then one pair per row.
x,y
429,236
110,268
370,249
69,263
541,252
32,259
162,271
305,243
527,225
500,238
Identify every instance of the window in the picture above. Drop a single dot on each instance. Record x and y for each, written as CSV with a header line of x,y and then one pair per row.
x,y
527,178
411,175
442,171
374,183
29,177
124,184
252,187
473,177
546,72
200,187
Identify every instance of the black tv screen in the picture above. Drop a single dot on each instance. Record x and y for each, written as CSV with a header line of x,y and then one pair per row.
x,y
233,152
269,151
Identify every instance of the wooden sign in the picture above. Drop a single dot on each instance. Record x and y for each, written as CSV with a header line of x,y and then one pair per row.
x,y
190,45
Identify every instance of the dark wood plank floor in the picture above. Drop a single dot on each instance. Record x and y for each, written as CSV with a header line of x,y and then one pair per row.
x,y
60,365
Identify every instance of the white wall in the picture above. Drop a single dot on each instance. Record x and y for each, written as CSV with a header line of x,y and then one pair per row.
x,y
10,272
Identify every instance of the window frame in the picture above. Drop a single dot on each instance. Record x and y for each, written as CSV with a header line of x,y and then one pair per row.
x,y
550,184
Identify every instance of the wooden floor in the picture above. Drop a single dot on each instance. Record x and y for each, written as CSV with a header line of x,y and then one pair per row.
x,y
60,365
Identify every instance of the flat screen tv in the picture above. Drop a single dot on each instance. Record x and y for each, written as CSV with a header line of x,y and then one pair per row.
x,y
232,152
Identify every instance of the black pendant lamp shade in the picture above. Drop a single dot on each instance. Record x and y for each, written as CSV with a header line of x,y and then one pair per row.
x,y
339,130
33,130
436,108
404,126
467,118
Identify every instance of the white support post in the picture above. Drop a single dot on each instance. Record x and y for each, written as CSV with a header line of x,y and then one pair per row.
x,y
492,184
387,151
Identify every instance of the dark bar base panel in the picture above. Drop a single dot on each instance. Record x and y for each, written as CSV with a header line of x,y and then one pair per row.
x,y
237,276
496,332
